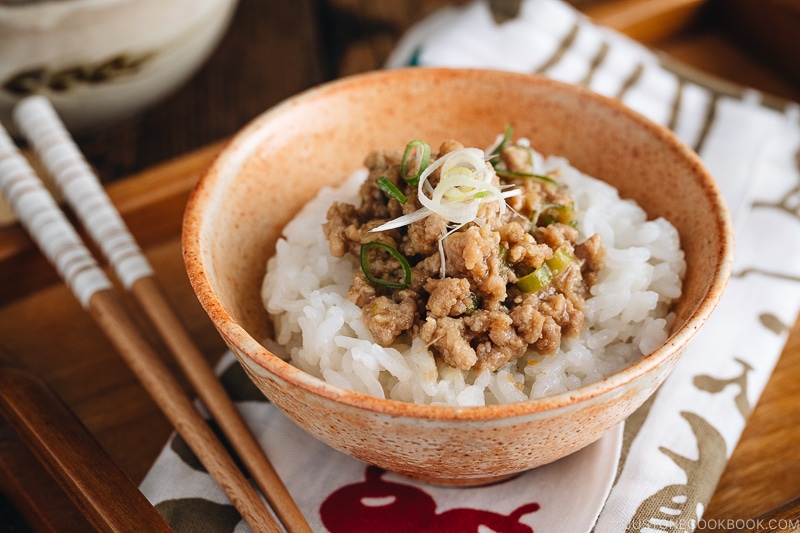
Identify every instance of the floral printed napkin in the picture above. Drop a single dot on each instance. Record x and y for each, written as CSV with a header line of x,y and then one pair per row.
x,y
666,463
339,494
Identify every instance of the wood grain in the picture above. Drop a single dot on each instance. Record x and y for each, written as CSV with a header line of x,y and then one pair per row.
x,y
648,21
764,471
106,496
33,493
271,51
177,407
150,296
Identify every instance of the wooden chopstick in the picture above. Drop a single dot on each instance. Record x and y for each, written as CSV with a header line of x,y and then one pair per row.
x,y
104,494
58,240
62,159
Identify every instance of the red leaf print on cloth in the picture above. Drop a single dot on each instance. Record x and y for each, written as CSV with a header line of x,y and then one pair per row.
x,y
379,505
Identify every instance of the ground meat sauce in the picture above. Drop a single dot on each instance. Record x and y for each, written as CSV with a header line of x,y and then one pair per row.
x,y
479,315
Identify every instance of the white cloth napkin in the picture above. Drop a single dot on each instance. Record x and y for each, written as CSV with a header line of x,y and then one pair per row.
x,y
675,447
340,494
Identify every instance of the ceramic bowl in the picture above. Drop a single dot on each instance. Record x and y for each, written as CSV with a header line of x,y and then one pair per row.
x,y
280,160
99,61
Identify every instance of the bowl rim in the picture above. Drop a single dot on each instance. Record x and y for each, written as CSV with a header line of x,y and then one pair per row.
x,y
243,143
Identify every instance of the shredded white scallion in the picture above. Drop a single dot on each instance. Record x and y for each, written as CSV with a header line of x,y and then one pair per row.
x,y
464,173
465,182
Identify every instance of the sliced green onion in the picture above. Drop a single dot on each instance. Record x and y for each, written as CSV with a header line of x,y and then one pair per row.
x,y
364,257
530,156
536,280
475,303
424,155
543,276
389,189
559,262
503,142
564,214
545,220
502,257
502,252
511,174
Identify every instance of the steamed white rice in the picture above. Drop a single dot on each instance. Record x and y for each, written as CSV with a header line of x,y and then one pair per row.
x,y
627,315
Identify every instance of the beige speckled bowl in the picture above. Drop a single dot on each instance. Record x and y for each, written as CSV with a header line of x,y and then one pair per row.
x,y
279,161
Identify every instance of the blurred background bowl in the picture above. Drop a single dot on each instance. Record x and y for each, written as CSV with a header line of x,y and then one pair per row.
x,y
100,61
318,138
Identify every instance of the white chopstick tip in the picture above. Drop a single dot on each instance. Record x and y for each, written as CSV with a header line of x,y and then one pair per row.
x,y
29,107
39,122
47,224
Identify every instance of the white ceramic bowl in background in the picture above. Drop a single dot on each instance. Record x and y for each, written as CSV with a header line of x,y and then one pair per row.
x,y
102,60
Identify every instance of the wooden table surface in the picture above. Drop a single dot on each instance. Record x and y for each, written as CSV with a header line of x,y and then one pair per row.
x,y
273,50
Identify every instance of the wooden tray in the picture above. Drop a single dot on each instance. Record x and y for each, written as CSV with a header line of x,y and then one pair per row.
x,y
42,326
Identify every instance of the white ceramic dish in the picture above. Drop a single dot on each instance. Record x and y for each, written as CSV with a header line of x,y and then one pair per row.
x,y
102,60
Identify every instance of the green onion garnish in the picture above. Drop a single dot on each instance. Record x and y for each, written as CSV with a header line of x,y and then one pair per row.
x,y
502,257
502,252
543,276
424,156
552,213
389,189
503,142
364,257
560,261
475,303
512,174
536,280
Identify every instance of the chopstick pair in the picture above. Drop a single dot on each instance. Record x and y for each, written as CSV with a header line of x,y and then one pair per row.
x,y
58,240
